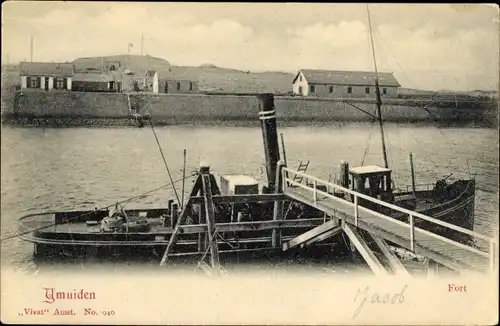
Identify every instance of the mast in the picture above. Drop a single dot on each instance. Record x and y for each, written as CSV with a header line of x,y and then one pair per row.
x,y
31,48
377,91
142,42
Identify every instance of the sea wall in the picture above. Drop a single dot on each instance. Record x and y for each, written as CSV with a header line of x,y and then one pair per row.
x,y
80,108
66,104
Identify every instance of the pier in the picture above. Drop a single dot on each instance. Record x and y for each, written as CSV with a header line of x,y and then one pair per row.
x,y
350,218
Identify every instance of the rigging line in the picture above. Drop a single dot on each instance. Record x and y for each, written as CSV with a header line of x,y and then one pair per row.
x,y
368,143
92,212
164,161
360,109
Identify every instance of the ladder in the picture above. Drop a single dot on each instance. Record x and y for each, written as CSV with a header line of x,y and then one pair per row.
x,y
302,168
303,165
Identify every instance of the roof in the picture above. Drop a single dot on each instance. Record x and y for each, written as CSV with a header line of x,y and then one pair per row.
x,y
347,77
368,169
93,77
240,179
46,69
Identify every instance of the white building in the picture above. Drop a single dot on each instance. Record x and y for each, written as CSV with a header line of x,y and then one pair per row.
x,y
46,75
342,84
151,81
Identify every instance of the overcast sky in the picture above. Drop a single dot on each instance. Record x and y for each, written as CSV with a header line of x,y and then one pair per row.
x,y
426,46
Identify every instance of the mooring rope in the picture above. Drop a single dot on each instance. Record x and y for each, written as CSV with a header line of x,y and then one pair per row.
x,y
105,207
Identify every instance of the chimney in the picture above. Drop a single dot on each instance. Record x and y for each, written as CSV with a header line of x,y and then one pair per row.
x,y
267,116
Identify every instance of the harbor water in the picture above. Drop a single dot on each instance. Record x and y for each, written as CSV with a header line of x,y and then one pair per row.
x,y
82,168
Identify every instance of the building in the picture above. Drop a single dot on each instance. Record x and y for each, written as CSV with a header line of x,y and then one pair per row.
x,y
46,75
178,86
341,84
99,81
151,82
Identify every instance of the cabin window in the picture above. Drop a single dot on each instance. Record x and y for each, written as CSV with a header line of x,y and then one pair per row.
x,y
313,89
349,90
190,86
178,86
60,83
330,89
300,77
367,90
384,91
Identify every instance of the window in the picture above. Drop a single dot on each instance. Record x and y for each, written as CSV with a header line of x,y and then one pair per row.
x,y
349,89
367,90
190,86
313,89
33,82
330,89
384,91
300,77
178,86
60,83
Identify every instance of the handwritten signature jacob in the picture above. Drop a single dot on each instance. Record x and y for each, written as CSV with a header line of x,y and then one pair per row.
x,y
365,296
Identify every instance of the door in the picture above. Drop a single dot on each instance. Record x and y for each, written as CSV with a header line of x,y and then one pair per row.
x,y
46,83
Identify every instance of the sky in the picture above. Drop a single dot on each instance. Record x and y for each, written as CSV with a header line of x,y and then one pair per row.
x,y
453,47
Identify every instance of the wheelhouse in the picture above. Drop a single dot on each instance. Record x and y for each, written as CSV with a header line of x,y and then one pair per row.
x,y
372,180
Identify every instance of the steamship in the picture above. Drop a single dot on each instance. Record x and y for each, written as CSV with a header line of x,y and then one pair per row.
x,y
237,214
242,208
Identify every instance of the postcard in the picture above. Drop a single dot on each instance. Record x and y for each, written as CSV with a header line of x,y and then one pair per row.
x,y
249,163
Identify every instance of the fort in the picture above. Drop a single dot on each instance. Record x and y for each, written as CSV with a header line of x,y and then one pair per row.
x,y
115,90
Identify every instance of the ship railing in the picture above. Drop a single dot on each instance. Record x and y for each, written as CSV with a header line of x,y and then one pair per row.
x,y
316,187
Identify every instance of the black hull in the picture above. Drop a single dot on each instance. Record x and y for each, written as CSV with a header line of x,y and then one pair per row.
x,y
455,206
76,239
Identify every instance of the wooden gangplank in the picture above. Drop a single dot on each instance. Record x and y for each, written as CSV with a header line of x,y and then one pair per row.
x,y
449,253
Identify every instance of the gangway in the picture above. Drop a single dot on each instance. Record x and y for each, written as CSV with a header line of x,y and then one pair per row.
x,y
452,254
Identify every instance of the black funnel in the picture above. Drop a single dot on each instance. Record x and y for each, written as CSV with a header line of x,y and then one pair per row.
x,y
267,116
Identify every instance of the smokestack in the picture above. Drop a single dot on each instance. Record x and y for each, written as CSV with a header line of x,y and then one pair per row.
x,y
267,116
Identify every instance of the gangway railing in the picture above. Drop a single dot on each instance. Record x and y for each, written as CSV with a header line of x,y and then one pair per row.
x,y
311,185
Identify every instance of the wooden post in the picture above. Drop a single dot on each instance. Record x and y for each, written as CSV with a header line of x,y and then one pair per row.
x,y
412,175
209,216
169,205
412,234
201,236
432,268
278,205
344,174
315,195
183,178
174,215
356,210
